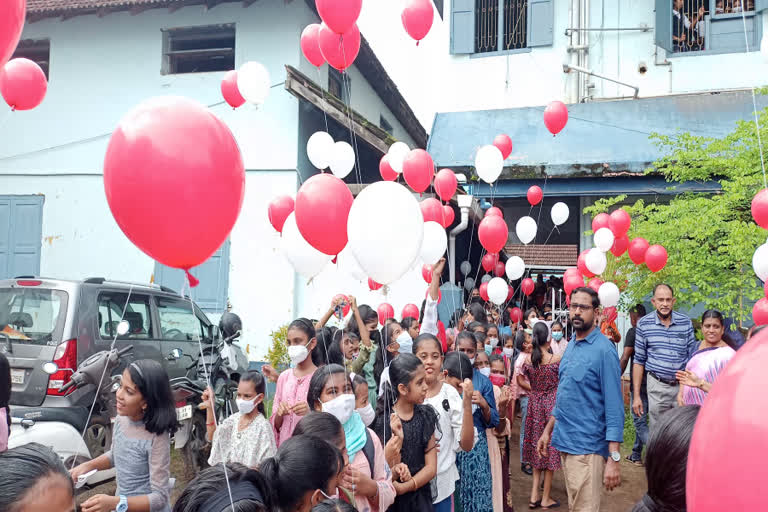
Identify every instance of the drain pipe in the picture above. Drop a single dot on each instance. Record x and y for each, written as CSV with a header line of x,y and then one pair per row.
x,y
465,203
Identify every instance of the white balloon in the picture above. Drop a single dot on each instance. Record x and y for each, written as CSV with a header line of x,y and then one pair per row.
x,y
559,213
526,229
515,268
342,159
397,153
253,82
489,162
347,263
486,278
604,239
465,267
306,260
434,244
385,230
609,295
320,147
469,284
498,290
595,261
760,262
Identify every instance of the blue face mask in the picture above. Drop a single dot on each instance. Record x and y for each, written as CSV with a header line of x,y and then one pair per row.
x,y
406,343
557,336
488,349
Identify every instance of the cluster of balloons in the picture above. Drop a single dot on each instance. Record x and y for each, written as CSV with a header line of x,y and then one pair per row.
x,y
489,159
760,257
23,84
337,40
324,152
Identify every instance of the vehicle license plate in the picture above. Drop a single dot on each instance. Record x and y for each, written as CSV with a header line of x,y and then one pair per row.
x,y
183,413
17,376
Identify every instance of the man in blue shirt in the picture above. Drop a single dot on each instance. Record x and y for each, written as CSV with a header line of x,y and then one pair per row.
x,y
664,342
588,419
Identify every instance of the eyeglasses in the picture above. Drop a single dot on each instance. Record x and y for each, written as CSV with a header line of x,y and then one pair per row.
x,y
580,307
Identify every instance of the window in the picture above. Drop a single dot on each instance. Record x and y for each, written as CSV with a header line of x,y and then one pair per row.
x,y
36,50
384,124
137,314
336,84
178,322
32,315
21,234
199,49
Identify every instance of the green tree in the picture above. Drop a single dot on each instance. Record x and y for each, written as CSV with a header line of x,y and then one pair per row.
x,y
710,238
277,356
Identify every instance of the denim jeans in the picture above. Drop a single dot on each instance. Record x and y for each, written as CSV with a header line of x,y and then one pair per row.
x,y
641,426
524,409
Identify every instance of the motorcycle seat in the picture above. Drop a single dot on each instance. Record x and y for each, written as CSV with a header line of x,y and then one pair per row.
x,y
75,416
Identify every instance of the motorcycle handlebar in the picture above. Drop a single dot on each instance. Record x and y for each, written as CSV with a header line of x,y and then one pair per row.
x,y
125,350
66,386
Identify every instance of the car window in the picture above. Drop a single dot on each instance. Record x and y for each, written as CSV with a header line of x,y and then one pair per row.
x,y
32,315
137,314
178,322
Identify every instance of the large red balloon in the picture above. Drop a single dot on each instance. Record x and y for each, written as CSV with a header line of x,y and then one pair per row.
x,y
373,285
489,261
426,273
620,245
432,210
279,210
229,90
572,282
494,212
493,233
339,15
499,269
446,184
760,208
619,222
417,17
310,45
484,292
637,249
418,169
656,258
174,180
504,143
410,311
534,195
730,439
601,220
516,314
582,264
23,84
527,286
340,51
595,283
386,170
448,216
385,311
12,15
556,117
760,311
322,210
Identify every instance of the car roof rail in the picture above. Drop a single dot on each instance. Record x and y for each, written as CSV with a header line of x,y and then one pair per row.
x,y
25,277
102,280
168,290
94,280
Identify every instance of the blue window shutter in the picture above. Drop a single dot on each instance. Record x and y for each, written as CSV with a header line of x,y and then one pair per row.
x,y
541,21
462,26
664,25
761,5
21,233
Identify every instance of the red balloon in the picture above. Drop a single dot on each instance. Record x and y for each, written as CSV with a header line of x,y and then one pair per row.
x,y
310,45
446,184
535,194
417,18
510,294
516,314
595,283
386,311
572,271
619,222
572,282
555,117
418,169
340,51
448,215
602,220
410,310
12,15
489,261
527,286
373,285
765,289
760,208
484,292
345,306
386,170
610,314
229,90
322,209
731,422
279,209
582,264
499,270
620,245
23,84
426,273
637,249
656,258
504,143
339,15
493,233
494,212
760,312
432,210
167,158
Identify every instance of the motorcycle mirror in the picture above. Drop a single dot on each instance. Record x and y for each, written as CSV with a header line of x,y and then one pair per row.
x,y
175,354
123,327
213,332
50,367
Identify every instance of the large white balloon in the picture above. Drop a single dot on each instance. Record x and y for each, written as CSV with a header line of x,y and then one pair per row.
x,y
320,148
489,162
342,159
397,153
760,262
604,239
306,260
347,263
253,82
434,244
559,213
515,268
609,295
465,267
469,283
498,290
485,278
595,261
385,230
526,229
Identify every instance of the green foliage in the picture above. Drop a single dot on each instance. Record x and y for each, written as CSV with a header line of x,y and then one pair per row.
x,y
710,238
278,352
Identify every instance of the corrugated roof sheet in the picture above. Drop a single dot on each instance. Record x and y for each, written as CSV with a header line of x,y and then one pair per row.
x,y
545,255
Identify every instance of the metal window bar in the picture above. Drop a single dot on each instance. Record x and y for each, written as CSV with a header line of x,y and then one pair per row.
x,y
486,26
515,24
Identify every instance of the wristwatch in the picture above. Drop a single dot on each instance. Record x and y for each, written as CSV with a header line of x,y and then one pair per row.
x,y
616,456
122,505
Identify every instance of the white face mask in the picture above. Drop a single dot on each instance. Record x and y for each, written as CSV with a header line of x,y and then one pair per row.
x,y
342,407
472,360
367,413
406,343
493,341
485,371
298,353
246,406
509,352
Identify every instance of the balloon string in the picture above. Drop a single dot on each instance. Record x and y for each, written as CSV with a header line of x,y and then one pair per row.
x,y
754,105
320,81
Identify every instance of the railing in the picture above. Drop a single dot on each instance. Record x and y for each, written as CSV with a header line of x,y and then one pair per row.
x,y
691,19
514,25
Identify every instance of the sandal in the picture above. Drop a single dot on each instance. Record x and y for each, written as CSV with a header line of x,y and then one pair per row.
x,y
556,504
534,505
636,462
527,469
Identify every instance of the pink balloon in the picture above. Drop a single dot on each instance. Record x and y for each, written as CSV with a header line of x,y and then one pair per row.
x,y
527,286
595,283
279,209
322,209
339,15
499,270
410,311
656,258
229,90
535,195
516,314
448,215
417,18
12,15
446,184
484,292
418,169
489,261
340,51
373,285
23,84
602,220
582,264
493,233
310,45
637,249
510,293
556,117
760,208
426,273
620,245
760,311
494,212
572,282
432,210
619,222
504,143
386,170
385,311
610,314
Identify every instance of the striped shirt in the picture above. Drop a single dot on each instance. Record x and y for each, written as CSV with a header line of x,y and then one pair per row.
x,y
664,350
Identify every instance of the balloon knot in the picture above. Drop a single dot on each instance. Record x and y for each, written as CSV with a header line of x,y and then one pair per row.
x,y
335,258
417,43
193,281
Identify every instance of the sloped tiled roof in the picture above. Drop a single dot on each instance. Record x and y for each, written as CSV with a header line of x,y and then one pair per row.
x,y
48,6
543,255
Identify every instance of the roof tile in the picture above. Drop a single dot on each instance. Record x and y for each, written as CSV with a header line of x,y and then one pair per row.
x,y
542,255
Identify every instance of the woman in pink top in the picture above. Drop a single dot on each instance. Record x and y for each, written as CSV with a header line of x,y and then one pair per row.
x,y
290,402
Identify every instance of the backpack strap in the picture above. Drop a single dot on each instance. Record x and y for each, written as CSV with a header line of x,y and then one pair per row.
x,y
369,450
